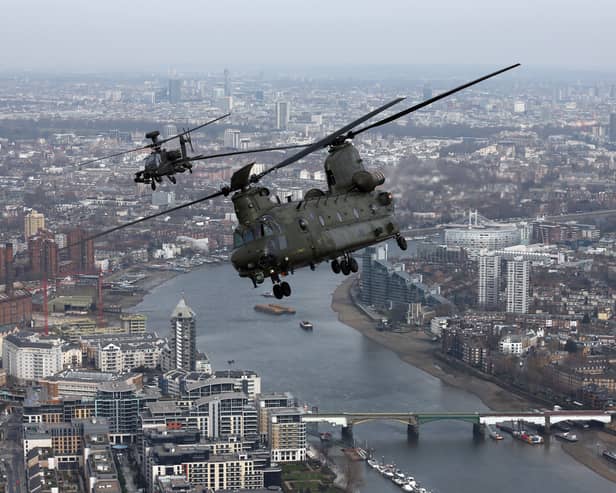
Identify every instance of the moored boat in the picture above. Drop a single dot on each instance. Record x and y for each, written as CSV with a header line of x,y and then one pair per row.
x,y
325,436
609,455
306,325
373,464
567,436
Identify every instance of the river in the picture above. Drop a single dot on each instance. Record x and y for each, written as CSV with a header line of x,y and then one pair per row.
x,y
337,369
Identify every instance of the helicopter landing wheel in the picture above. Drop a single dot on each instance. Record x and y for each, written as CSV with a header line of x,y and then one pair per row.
x,y
344,267
153,185
353,265
335,265
277,289
401,240
172,179
285,288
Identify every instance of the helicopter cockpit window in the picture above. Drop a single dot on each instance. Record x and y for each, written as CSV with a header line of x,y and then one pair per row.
x,y
152,161
266,229
272,226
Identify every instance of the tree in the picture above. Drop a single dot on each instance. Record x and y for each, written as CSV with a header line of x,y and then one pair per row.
x,y
571,346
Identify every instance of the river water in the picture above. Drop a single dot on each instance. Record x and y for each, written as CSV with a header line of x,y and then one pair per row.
x,y
337,369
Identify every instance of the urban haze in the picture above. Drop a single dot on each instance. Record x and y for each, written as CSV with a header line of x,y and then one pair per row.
x,y
427,306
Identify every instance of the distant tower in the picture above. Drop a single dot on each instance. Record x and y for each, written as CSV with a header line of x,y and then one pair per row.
x,y
283,113
612,129
232,138
169,130
518,282
227,83
32,223
427,91
489,279
183,337
175,91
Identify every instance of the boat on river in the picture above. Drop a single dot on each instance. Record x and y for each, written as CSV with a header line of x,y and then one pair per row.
x,y
306,325
568,437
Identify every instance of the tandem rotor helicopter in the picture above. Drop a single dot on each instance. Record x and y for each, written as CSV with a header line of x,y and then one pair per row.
x,y
275,238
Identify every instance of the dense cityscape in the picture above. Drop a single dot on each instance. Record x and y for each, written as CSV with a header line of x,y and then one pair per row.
x,y
505,193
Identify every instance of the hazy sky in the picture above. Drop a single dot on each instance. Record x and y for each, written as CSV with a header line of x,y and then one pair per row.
x,y
105,35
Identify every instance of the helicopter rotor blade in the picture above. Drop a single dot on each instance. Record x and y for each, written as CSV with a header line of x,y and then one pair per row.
x,y
147,218
203,157
325,141
193,129
430,101
90,161
152,145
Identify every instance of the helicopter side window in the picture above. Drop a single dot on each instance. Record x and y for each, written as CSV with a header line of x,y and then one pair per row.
x,y
303,224
355,213
322,221
248,236
266,229
238,241
271,225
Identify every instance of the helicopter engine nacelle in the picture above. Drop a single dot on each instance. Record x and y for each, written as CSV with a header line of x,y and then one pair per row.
x,y
173,155
365,181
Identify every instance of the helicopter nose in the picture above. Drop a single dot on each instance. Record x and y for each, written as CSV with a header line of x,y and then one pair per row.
x,y
242,260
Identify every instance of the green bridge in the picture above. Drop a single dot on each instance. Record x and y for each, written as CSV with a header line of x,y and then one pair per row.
x,y
478,419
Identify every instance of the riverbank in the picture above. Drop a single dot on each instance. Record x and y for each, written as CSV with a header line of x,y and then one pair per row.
x,y
153,279
417,349
589,449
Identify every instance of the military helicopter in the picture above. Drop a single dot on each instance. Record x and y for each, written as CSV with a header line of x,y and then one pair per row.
x,y
274,238
163,162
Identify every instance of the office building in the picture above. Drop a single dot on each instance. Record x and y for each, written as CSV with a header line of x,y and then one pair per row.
x,y
133,323
489,279
283,114
232,138
612,129
227,83
32,223
175,91
518,283
183,337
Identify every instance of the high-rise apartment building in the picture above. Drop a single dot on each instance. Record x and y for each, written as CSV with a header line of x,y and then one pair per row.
x,y
518,281
283,114
489,279
232,138
183,337
80,252
33,222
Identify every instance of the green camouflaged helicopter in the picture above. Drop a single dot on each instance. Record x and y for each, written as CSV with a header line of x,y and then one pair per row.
x,y
275,238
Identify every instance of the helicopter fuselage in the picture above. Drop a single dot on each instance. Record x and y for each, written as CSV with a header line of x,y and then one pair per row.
x,y
276,238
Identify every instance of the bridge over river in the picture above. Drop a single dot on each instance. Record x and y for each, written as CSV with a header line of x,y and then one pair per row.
x,y
478,419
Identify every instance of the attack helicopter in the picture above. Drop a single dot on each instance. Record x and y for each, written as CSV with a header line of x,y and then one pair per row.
x,y
274,238
163,162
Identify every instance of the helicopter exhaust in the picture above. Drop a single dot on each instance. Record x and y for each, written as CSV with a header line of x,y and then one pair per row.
x,y
365,181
